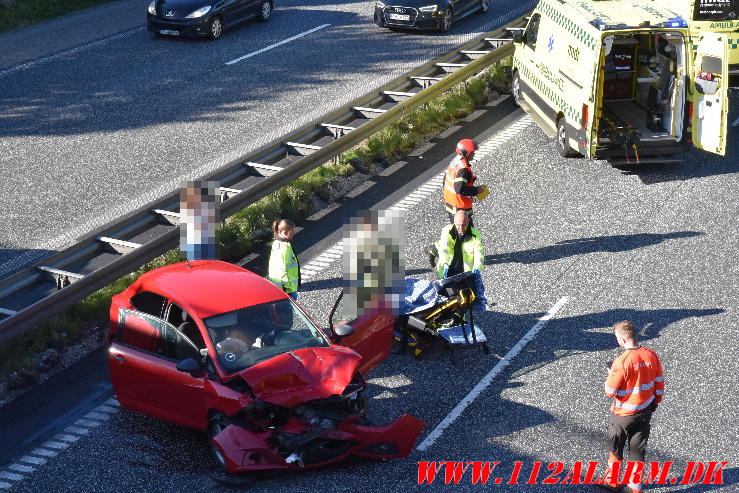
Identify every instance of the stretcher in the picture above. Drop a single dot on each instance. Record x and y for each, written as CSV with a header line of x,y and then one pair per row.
x,y
441,313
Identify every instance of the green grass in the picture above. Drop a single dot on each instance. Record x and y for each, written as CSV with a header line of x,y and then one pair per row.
x,y
23,13
236,237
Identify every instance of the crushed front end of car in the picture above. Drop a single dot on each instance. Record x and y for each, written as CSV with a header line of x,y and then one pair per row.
x,y
313,433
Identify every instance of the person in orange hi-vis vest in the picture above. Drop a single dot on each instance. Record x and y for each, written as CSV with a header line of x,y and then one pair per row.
x,y
459,187
636,384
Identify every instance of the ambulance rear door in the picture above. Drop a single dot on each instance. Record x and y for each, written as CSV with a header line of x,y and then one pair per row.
x,y
709,82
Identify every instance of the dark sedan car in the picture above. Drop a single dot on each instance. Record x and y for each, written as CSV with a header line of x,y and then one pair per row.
x,y
203,17
423,14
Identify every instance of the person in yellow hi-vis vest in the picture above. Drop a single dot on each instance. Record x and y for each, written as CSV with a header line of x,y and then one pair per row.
x,y
459,248
284,269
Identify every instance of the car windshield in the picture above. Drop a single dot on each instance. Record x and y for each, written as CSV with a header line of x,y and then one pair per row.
x,y
250,335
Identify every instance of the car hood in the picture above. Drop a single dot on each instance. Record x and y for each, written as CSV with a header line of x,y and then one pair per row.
x,y
411,3
183,7
302,375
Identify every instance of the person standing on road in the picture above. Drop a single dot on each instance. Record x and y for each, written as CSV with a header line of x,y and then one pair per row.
x,y
636,384
459,247
459,187
459,181
284,269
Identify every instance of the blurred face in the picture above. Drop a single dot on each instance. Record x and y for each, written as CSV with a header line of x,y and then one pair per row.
x,y
285,232
461,221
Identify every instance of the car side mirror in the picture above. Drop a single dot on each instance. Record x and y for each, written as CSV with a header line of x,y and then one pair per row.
x,y
343,330
189,365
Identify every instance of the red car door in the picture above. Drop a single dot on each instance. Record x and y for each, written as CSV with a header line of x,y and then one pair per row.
x,y
143,369
372,337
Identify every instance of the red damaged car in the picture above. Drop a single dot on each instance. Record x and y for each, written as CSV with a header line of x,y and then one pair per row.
x,y
212,346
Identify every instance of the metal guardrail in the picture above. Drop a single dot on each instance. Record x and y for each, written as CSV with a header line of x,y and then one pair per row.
x,y
49,286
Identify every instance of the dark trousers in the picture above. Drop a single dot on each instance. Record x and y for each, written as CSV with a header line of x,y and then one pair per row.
x,y
633,430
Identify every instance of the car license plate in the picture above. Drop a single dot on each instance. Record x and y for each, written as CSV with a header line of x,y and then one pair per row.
x,y
170,32
399,17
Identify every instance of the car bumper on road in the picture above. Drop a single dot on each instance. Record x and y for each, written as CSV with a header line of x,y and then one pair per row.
x,y
406,18
185,27
244,450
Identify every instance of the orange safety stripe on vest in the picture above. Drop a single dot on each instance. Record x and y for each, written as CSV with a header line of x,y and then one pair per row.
x,y
635,381
451,197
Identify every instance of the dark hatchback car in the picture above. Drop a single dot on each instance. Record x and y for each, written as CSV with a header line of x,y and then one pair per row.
x,y
425,14
203,17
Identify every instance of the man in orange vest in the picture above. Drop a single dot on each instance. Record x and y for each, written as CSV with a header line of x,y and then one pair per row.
x,y
459,188
636,384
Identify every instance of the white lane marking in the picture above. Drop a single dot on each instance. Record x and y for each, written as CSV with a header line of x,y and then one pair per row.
x,y
32,460
113,402
76,430
5,485
21,468
487,379
67,438
736,123
61,54
275,45
107,409
87,422
55,445
11,476
95,415
44,452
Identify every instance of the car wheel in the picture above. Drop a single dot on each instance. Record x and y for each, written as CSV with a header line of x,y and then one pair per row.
x,y
216,425
516,88
563,141
265,11
484,6
379,22
445,23
215,28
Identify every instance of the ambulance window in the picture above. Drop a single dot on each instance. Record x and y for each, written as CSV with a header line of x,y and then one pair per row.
x,y
711,64
532,31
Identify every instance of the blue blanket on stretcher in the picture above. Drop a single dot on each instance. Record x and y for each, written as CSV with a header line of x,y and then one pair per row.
x,y
421,294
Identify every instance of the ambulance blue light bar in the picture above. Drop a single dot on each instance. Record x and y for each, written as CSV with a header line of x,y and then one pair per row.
x,y
675,22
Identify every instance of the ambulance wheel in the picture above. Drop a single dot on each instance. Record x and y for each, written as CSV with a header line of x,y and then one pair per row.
x,y
484,6
516,88
563,141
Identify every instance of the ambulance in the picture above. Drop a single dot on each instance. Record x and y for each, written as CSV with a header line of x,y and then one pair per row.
x,y
718,16
622,80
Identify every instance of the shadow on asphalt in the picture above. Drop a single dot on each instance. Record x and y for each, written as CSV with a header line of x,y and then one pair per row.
x,y
569,248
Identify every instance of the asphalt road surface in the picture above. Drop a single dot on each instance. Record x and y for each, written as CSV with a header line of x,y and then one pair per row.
x,y
92,130
653,244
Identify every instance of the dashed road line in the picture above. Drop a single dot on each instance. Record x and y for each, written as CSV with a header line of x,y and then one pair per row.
x,y
488,379
62,54
11,476
275,45
96,415
44,452
55,445
76,430
67,438
29,459
87,422
21,468
5,485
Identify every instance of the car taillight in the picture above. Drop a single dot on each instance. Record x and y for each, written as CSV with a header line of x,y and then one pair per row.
x,y
690,111
584,119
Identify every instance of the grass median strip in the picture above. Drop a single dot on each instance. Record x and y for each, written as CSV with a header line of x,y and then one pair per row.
x,y
15,14
247,230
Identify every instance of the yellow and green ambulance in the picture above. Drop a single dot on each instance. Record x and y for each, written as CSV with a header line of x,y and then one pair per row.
x,y
622,80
